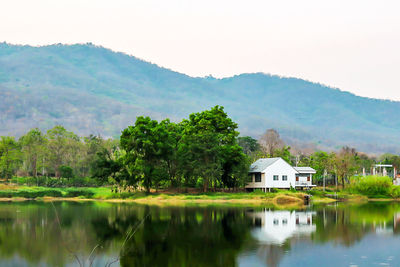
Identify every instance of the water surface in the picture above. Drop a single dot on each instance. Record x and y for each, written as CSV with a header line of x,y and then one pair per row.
x,y
97,233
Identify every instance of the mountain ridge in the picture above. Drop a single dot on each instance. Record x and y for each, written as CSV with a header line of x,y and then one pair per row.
x,y
92,89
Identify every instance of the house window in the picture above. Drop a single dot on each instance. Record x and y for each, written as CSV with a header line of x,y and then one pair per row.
x,y
276,177
284,221
276,221
257,177
284,177
250,178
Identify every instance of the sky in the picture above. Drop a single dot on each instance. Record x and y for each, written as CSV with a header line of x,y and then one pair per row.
x,y
349,44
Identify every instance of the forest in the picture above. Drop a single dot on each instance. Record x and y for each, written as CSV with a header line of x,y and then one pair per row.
x,y
203,151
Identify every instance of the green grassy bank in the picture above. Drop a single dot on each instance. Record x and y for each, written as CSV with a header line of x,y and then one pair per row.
x,y
282,198
359,189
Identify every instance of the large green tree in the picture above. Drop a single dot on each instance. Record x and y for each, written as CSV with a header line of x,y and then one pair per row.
x,y
10,156
33,146
210,148
62,148
146,145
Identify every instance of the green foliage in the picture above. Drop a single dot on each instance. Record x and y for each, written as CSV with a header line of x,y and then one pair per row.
x,y
210,149
248,144
56,182
66,171
203,148
81,192
147,147
31,193
9,156
33,150
395,192
372,186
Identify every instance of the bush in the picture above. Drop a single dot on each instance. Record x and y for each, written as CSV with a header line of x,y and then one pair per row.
x,y
57,182
316,192
82,192
66,171
31,193
395,193
373,186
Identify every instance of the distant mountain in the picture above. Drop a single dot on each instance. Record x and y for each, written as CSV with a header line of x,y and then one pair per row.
x,y
90,89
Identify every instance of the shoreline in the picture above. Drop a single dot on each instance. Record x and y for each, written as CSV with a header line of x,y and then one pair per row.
x,y
279,200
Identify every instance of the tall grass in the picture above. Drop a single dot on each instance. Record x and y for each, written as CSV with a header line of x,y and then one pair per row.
x,y
373,186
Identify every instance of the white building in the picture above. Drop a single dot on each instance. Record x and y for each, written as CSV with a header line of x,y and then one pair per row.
x,y
270,173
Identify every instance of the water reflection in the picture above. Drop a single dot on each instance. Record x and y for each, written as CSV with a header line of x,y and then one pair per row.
x,y
275,227
66,234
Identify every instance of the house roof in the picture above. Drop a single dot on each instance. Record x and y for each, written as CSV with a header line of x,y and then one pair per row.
x,y
304,169
262,164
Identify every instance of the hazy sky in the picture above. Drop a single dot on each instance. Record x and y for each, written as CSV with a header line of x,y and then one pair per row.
x,y
350,44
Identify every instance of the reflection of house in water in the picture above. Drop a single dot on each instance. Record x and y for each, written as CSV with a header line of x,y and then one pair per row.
x,y
275,227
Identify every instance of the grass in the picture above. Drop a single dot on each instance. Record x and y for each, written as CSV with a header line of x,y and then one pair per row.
x,y
357,191
362,189
283,198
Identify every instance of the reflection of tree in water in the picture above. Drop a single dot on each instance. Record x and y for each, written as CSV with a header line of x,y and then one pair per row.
x,y
347,224
271,254
168,236
188,237
30,231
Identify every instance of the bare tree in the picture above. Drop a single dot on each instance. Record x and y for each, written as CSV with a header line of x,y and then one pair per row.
x,y
269,142
346,163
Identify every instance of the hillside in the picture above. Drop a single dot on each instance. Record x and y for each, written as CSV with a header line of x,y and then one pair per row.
x,y
90,89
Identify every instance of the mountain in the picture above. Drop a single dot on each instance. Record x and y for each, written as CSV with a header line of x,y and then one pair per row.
x,y
91,89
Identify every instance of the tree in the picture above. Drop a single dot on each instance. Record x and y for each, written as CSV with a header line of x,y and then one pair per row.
x,y
248,144
61,147
346,163
146,145
269,142
390,159
284,153
209,145
32,144
10,156
66,171
319,161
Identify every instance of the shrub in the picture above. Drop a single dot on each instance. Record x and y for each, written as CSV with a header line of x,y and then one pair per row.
x,y
54,182
31,193
81,192
395,193
66,171
372,186
57,182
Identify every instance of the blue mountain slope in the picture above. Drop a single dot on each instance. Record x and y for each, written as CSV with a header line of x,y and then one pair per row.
x,y
90,89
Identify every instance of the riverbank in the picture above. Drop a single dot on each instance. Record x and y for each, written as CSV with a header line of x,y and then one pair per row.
x,y
280,198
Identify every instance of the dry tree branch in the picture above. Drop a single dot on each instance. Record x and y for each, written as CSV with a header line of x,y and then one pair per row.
x,y
129,235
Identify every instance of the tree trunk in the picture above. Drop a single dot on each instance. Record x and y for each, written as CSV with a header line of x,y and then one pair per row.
x,y
343,182
34,167
205,185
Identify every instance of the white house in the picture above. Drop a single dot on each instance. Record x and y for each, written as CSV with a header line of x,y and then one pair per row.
x,y
270,173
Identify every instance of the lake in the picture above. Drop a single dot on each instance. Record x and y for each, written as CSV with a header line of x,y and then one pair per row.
x,y
109,234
